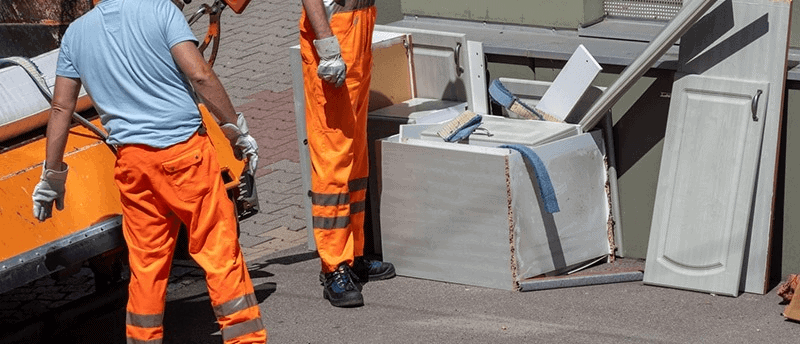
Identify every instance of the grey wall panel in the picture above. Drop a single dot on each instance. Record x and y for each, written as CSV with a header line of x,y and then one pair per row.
x,y
564,13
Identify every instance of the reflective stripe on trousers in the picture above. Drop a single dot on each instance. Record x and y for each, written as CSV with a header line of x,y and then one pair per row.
x,y
336,123
159,190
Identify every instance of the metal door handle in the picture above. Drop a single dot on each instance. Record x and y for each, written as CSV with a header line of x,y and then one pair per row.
x,y
754,105
457,56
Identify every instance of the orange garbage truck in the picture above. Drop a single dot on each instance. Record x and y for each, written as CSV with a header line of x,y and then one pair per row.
x,y
88,230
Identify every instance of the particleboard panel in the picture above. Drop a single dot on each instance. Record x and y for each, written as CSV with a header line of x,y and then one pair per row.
x,y
392,73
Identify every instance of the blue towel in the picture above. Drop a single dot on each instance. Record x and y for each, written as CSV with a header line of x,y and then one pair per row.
x,y
546,190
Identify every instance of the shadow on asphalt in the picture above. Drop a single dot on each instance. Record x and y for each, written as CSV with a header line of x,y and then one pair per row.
x,y
100,318
282,260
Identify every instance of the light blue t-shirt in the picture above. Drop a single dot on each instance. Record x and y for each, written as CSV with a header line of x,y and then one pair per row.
x,y
121,52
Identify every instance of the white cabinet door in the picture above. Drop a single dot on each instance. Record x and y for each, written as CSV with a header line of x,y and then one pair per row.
x,y
706,183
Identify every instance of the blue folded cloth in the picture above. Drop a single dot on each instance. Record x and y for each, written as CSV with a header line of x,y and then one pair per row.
x,y
546,190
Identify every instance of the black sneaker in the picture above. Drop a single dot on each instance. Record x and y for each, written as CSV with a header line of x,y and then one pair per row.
x,y
367,269
339,288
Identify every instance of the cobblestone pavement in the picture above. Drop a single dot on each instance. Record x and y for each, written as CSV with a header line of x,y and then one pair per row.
x,y
253,65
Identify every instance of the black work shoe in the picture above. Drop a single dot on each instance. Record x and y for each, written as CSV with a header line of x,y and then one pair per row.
x,y
339,288
367,269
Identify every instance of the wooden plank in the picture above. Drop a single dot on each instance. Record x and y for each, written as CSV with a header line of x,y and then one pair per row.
x,y
479,93
705,186
570,84
756,275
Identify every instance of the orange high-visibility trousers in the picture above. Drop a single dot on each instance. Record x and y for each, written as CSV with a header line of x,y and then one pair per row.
x,y
336,123
160,189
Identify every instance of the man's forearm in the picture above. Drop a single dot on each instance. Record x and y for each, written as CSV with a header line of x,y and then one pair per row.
x,y
315,11
65,94
57,133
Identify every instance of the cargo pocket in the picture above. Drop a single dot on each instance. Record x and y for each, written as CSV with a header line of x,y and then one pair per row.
x,y
188,176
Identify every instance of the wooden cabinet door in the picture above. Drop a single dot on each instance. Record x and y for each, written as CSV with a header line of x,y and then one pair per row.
x,y
706,182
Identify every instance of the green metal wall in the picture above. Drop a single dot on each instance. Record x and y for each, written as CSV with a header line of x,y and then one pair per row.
x,y
788,216
567,13
548,13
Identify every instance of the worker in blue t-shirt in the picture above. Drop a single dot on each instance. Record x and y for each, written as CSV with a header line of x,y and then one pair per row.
x,y
138,61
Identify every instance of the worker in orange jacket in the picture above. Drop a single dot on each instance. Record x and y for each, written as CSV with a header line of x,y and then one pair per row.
x,y
336,47
131,56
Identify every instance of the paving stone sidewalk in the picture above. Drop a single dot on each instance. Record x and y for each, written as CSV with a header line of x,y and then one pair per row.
x,y
253,65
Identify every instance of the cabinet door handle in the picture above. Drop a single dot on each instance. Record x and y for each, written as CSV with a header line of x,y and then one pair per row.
x,y
457,56
754,105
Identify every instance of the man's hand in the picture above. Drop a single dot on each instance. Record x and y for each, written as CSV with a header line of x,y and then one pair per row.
x,y
331,66
50,188
243,144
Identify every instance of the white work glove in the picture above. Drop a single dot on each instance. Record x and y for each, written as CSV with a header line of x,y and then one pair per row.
x,y
331,66
243,144
50,188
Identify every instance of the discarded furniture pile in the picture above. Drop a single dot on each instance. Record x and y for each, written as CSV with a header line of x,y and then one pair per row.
x,y
511,183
